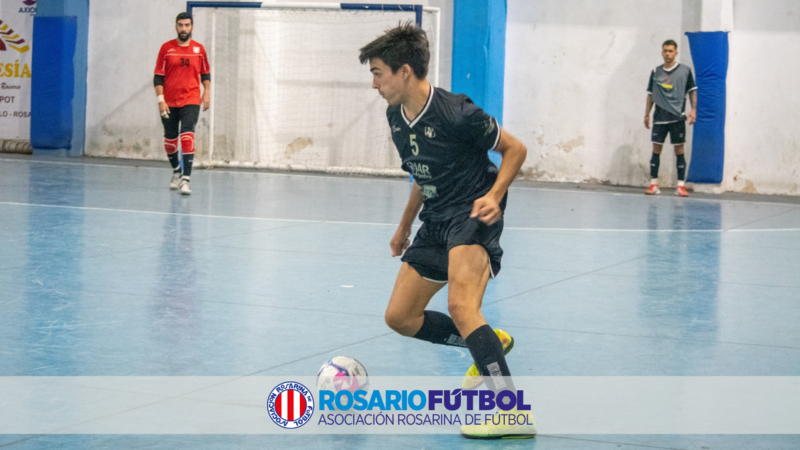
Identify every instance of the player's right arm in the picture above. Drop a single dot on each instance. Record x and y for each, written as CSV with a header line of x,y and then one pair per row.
x,y
163,109
692,89
158,82
400,241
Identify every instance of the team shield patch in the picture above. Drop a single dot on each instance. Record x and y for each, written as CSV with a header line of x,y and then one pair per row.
x,y
197,49
429,192
290,405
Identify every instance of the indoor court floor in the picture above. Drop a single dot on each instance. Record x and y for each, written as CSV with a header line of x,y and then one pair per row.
x,y
105,271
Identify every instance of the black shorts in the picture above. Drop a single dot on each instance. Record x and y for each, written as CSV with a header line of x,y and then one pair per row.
x,y
429,253
181,120
676,131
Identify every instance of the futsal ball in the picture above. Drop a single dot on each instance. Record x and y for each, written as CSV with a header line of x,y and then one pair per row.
x,y
342,373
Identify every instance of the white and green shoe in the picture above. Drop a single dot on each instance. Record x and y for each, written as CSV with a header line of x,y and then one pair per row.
x,y
473,377
510,425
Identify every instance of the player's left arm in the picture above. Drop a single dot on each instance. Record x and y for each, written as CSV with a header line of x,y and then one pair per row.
x,y
206,94
205,77
487,208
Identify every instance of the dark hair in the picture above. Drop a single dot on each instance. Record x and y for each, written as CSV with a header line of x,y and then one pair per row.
x,y
404,44
670,42
182,16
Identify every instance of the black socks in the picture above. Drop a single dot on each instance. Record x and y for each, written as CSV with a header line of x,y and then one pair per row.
x,y
487,352
681,168
484,346
655,161
438,328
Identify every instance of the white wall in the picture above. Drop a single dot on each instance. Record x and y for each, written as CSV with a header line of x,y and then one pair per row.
x,y
762,151
124,38
576,74
121,113
576,71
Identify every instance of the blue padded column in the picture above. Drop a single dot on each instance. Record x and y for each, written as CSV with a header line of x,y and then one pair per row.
x,y
53,82
79,11
710,57
479,54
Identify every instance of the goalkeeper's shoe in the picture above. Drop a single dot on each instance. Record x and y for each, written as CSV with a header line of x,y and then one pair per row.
x,y
175,182
510,425
185,188
473,377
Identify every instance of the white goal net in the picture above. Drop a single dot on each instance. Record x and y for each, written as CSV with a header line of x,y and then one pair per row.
x,y
289,93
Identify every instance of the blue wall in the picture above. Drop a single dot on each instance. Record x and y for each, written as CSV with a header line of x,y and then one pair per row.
x,y
479,54
79,9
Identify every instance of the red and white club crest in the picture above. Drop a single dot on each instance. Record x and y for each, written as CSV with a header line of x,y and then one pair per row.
x,y
290,405
197,49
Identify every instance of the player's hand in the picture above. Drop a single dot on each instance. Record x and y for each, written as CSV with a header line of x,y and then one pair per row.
x,y
487,209
163,109
400,242
692,117
206,101
647,121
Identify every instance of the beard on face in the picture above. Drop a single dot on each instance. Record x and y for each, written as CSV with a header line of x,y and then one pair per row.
x,y
184,36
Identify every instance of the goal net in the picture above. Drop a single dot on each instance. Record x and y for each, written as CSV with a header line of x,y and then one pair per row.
x,y
288,91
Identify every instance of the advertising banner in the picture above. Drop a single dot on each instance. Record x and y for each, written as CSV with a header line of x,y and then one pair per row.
x,y
347,404
16,51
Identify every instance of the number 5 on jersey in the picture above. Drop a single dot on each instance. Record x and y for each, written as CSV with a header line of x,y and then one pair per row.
x,y
414,146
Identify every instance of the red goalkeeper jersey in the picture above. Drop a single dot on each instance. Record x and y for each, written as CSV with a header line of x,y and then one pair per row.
x,y
181,68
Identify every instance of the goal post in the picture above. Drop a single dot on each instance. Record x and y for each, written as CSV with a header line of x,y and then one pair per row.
x,y
288,91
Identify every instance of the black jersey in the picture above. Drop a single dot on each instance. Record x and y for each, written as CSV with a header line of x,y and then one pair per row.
x,y
444,149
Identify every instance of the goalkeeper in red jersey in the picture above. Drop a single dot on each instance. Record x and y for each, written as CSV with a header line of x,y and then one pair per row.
x,y
181,67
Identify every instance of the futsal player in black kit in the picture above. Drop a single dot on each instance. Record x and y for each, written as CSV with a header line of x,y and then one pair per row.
x,y
443,139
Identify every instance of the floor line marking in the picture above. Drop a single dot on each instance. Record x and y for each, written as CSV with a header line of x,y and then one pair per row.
x,y
491,303
115,163
382,224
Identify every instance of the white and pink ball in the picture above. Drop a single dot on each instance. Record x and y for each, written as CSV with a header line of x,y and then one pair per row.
x,y
342,373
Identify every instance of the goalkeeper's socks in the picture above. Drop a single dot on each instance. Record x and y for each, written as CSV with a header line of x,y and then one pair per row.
x,y
171,147
188,158
187,145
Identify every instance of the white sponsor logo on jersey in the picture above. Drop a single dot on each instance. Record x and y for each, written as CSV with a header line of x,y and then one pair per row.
x,y
420,171
430,132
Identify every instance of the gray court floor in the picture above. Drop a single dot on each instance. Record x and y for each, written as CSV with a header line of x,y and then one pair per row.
x,y
105,271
